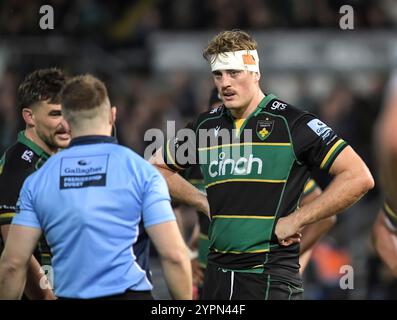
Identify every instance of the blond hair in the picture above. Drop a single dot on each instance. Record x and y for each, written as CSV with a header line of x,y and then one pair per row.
x,y
228,41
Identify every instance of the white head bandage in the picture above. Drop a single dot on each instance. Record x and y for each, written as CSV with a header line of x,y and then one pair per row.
x,y
236,60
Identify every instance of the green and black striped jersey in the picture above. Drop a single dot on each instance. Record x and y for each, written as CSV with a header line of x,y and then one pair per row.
x,y
17,163
254,176
195,177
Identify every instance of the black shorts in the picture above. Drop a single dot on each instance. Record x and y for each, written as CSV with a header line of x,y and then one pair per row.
x,y
220,284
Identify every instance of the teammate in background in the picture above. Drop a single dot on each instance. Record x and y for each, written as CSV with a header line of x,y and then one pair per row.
x,y
385,227
89,200
312,233
45,133
253,200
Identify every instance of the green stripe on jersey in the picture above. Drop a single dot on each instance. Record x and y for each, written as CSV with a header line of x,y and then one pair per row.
x,y
233,235
332,153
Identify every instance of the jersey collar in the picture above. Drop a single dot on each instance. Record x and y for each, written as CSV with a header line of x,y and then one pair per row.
x,y
91,140
266,100
31,145
262,105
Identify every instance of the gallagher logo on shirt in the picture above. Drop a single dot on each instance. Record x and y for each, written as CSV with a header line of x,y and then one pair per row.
x,y
320,128
83,172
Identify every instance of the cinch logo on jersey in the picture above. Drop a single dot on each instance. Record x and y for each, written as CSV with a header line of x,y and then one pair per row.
x,y
240,167
320,128
81,172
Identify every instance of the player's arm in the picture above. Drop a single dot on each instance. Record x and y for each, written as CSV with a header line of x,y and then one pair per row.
x,y
352,180
159,221
311,234
385,130
174,258
14,262
384,230
386,145
197,272
314,232
180,189
384,236
34,276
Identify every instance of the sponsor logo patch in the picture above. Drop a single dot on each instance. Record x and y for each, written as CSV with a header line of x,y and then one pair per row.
x,y
27,156
320,128
277,105
82,172
237,167
215,110
216,130
264,128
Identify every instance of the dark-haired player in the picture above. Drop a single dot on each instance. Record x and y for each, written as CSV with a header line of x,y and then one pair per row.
x,y
45,133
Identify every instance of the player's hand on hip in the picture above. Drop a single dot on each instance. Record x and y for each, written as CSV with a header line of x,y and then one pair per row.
x,y
287,231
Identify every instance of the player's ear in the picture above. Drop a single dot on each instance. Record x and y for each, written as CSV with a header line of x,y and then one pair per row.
x,y
113,112
257,76
28,116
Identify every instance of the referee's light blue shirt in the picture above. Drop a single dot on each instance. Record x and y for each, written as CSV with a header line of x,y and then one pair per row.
x,y
89,200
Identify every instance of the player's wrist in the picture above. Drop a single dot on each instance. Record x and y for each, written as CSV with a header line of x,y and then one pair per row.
x,y
297,219
203,205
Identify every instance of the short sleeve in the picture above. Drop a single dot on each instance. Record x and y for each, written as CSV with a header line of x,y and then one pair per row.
x,y
315,143
180,151
12,176
25,211
156,202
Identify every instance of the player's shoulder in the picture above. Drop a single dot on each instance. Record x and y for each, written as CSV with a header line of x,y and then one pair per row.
x,y
16,152
288,111
17,157
132,159
15,166
125,153
213,113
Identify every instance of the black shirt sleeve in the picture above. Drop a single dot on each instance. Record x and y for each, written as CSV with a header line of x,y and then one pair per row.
x,y
180,151
315,143
14,171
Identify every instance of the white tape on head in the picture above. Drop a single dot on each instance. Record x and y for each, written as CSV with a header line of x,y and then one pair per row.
x,y
236,60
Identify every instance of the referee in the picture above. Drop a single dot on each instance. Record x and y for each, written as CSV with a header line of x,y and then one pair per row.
x,y
89,200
